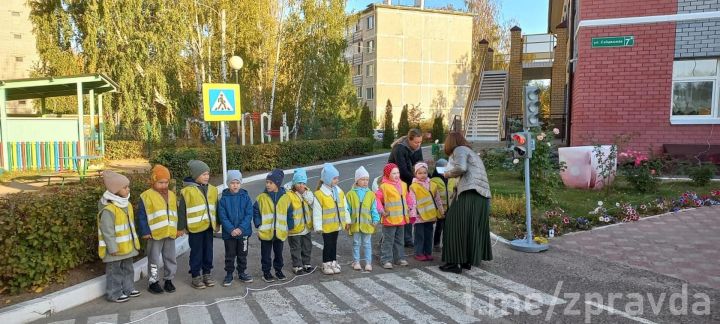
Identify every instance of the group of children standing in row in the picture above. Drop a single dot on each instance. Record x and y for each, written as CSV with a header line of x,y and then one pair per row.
x,y
291,212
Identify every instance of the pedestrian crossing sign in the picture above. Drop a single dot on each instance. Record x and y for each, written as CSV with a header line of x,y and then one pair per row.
x,y
221,101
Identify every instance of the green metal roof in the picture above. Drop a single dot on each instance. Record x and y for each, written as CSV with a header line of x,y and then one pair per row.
x,y
47,87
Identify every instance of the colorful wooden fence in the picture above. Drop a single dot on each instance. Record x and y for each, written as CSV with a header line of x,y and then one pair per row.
x,y
58,156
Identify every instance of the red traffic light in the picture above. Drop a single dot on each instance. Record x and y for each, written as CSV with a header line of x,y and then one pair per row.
x,y
519,139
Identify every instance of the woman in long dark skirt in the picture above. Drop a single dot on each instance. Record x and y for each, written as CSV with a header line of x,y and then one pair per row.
x,y
467,225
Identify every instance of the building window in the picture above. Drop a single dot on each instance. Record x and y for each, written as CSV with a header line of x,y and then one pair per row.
x,y
369,70
359,92
370,22
369,95
17,36
695,92
358,70
15,13
18,58
370,45
359,47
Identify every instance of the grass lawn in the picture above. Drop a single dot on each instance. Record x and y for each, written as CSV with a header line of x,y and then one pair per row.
x,y
578,202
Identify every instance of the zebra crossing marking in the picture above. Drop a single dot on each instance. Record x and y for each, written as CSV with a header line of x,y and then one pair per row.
x,y
319,306
276,307
506,300
194,313
392,300
427,298
367,310
70,321
139,315
478,305
112,318
235,311
515,287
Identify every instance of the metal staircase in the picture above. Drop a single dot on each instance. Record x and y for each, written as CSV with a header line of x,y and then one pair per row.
x,y
484,120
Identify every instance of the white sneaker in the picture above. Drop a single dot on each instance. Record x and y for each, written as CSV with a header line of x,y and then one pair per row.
x,y
403,262
327,268
335,267
387,265
368,267
356,266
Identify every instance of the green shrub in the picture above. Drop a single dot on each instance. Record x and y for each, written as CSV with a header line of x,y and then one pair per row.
x,y
121,150
643,176
701,174
263,156
48,232
508,207
496,158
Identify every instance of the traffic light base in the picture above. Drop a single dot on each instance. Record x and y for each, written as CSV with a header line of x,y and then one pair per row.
x,y
525,245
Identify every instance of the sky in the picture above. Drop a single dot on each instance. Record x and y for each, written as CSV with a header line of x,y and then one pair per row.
x,y
531,14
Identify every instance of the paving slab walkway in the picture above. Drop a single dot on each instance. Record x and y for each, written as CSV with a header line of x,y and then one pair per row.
x,y
684,245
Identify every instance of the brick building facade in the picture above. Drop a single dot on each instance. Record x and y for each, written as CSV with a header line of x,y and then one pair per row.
x,y
663,89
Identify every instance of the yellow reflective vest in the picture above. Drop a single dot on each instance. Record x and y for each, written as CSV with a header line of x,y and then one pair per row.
x,y
395,205
425,202
302,214
162,215
273,217
333,217
445,190
125,236
200,213
361,218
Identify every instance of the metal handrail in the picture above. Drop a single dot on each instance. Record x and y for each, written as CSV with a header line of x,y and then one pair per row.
x,y
503,108
474,90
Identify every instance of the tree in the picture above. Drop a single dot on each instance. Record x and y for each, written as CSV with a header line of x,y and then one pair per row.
x,y
438,128
389,134
404,124
365,125
415,116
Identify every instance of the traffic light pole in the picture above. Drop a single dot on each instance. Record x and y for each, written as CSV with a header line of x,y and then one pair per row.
x,y
528,244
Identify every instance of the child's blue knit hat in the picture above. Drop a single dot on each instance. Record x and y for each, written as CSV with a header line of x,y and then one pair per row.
x,y
328,173
300,176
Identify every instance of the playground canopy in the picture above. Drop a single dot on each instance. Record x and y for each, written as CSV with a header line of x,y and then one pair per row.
x,y
58,143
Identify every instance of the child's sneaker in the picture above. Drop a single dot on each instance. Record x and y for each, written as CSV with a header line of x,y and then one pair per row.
x,y
297,270
420,257
309,268
169,287
135,293
356,266
327,268
244,277
387,265
429,257
228,279
403,262
208,280
122,299
368,267
335,267
280,275
155,288
268,277
197,282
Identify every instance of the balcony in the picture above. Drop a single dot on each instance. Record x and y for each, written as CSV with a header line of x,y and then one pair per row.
x,y
357,59
357,80
356,37
538,50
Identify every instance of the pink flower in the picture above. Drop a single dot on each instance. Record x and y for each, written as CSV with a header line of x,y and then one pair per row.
x,y
566,220
556,131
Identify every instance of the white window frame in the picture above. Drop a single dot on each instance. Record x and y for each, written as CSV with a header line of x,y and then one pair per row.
x,y
358,69
714,117
370,21
370,46
369,93
369,70
358,92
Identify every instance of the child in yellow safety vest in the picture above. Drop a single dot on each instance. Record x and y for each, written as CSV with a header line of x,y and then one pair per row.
x,y
428,209
157,222
446,188
394,205
197,215
330,215
363,218
273,216
117,240
300,235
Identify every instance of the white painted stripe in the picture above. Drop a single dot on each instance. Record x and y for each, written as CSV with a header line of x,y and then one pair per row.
x,y
112,318
428,298
516,287
367,310
194,313
195,209
478,305
395,302
160,316
621,313
319,306
70,321
236,311
506,300
277,308
161,224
